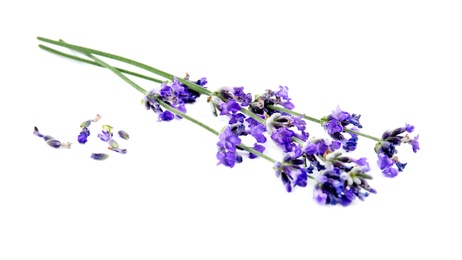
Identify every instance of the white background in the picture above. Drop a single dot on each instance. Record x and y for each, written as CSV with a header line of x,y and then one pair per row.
x,y
391,61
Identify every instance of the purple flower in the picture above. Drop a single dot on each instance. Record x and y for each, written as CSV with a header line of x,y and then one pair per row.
x,y
409,128
292,170
415,144
333,126
387,152
228,140
227,148
337,122
319,196
175,94
279,127
390,172
257,147
229,107
384,161
165,116
105,136
257,132
340,115
82,137
283,137
281,97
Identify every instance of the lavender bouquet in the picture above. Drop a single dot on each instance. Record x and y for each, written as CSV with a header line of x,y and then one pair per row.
x,y
337,177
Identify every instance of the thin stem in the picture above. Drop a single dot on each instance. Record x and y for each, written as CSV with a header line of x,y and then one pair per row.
x,y
312,119
161,73
363,135
96,64
252,115
171,109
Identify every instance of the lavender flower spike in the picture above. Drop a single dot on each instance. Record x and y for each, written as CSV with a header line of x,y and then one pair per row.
x,y
387,153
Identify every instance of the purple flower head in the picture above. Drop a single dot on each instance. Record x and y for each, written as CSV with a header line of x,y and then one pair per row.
x,y
342,183
237,118
340,115
228,140
242,98
229,107
175,94
319,196
227,148
333,126
390,172
281,129
409,128
171,93
188,95
257,132
83,136
386,149
257,147
281,97
354,120
283,137
227,158
336,125
165,116
292,170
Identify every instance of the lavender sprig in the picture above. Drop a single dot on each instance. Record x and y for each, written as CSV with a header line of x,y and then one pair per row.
x,y
339,178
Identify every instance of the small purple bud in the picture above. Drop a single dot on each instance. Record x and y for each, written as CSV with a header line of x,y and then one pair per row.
x,y
54,143
123,134
99,156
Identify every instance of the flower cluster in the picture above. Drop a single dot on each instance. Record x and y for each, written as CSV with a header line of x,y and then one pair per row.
x,y
387,153
336,125
281,97
175,94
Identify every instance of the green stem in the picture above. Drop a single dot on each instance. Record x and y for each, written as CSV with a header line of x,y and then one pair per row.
x,y
96,64
363,135
312,119
171,109
161,73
